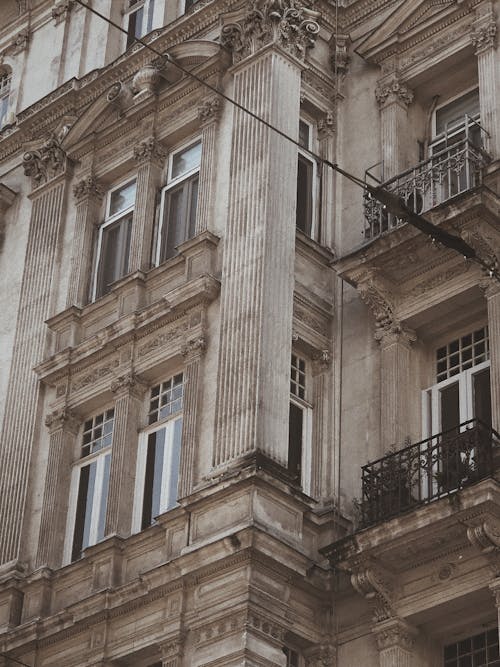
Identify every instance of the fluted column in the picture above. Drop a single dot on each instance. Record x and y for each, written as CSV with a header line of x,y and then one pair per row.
x,y
327,148
395,346
88,195
193,353
257,275
495,590
63,428
46,167
491,291
171,652
484,40
393,98
209,114
321,455
150,158
395,641
128,393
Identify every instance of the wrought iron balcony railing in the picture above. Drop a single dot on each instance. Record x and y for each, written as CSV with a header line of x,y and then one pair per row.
x,y
427,471
454,167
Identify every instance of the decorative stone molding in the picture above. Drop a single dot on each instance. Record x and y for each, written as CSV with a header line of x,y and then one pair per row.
x,y
62,418
146,80
377,299
327,125
340,58
484,37
194,347
322,656
322,359
87,187
128,383
395,632
484,246
376,587
61,10
263,626
120,96
287,23
149,149
210,110
19,43
485,537
393,91
46,163
212,632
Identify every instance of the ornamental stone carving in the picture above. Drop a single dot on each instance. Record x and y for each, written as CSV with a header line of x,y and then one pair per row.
x,y
326,125
393,91
195,346
87,187
146,80
62,418
395,633
128,383
46,163
287,23
149,149
322,656
19,43
484,37
374,586
61,9
209,110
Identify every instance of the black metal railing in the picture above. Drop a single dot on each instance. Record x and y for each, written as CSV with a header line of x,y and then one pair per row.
x,y
427,471
454,167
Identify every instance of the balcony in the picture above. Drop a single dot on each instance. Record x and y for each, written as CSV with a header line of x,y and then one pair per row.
x,y
427,471
454,167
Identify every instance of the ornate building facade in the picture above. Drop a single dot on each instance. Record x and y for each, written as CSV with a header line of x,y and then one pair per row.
x,y
248,414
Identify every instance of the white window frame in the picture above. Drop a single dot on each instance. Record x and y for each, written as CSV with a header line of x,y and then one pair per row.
x,y
148,19
5,88
99,457
459,127
170,424
306,445
107,222
314,180
170,185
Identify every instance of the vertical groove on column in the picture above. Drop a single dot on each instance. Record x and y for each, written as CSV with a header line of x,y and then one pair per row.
x,y
257,280
488,98
391,125
23,391
189,426
394,406
148,180
206,185
494,336
81,261
51,491
395,657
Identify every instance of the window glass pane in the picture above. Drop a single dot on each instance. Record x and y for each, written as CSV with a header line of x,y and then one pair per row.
x,y
482,396
295,441
174,464
153,477
193,202
186,160
450,414
115,247
81,513
452,114
122,198
304,195
104,498
304,133
175,210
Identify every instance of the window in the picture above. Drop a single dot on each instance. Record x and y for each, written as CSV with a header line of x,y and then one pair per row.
x,y
5,79
450,119
113,240
139,19
178,201
481,650
299,463
462,390
306,183
292,657
90,481
159,454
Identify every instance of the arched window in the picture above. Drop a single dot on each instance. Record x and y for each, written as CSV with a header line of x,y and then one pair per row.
x,y
5,78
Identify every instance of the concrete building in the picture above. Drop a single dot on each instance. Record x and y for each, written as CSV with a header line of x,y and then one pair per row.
x,y
247,412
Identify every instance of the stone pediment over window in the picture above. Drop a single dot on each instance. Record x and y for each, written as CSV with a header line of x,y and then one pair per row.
x,y
412,23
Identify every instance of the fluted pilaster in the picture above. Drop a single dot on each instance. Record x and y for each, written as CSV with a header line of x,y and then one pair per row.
x,y
209,114
492,294
171,651
395,641
484,41
150,157
63,428
29,344
193,353
327,145
395,346
257,276
322,465
88,196
393,98
128,393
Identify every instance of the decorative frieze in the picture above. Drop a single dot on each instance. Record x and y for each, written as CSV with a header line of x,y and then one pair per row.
x,y
219,629
287,23
46,163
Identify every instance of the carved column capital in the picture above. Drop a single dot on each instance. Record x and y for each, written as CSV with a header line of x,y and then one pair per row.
x,y
44,163
171,650
374,585
322,360
87,188
19,43
287,23
327,125
484,37
62,418
395,333
61,10
209,110
393,91
148,150
194,348
495,589
395,633
321,656
129,383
